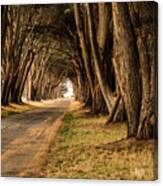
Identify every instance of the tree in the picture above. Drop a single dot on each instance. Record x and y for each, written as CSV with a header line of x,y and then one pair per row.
x,y
107,50
137,80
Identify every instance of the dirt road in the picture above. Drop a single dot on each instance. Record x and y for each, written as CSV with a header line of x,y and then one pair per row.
x,y
26,138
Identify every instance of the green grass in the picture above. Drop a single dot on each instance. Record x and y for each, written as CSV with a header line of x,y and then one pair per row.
x,y
85,148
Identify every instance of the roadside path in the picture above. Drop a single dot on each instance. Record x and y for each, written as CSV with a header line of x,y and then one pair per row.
x,y
26,138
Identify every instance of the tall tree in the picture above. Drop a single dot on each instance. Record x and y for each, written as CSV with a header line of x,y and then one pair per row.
x,y
137,78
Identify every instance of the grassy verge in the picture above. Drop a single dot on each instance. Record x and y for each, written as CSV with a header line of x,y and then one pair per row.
x,y
15,109
84,148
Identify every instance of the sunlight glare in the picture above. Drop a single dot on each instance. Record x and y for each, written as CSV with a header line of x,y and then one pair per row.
x,y
69,87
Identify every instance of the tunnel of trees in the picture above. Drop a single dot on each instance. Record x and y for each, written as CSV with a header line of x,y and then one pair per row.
x,y
107,50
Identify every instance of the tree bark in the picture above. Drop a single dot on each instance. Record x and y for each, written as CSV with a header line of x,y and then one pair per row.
x,y
107,93
146,34
126,59
84,49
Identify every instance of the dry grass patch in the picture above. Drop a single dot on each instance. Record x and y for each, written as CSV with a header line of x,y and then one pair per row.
x,y
86,149
15,109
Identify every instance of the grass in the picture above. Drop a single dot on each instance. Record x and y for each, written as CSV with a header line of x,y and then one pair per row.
x,y
84,148
15,109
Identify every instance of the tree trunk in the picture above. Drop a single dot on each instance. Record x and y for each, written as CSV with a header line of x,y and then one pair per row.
x,y
107,93
126,60
84,49
146,35
7,87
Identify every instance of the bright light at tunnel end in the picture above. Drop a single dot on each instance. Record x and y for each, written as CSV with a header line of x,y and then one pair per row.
x,y
69,93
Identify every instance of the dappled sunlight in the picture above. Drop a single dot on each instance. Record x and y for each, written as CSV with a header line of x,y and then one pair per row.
x,y
16,109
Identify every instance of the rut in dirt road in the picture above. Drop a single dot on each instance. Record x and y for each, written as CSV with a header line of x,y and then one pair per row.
x,y
26,138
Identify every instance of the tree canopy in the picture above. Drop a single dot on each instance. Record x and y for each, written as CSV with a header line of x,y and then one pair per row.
x,y
107,50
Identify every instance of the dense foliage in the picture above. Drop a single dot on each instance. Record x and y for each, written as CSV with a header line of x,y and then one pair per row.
x,y
107,50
